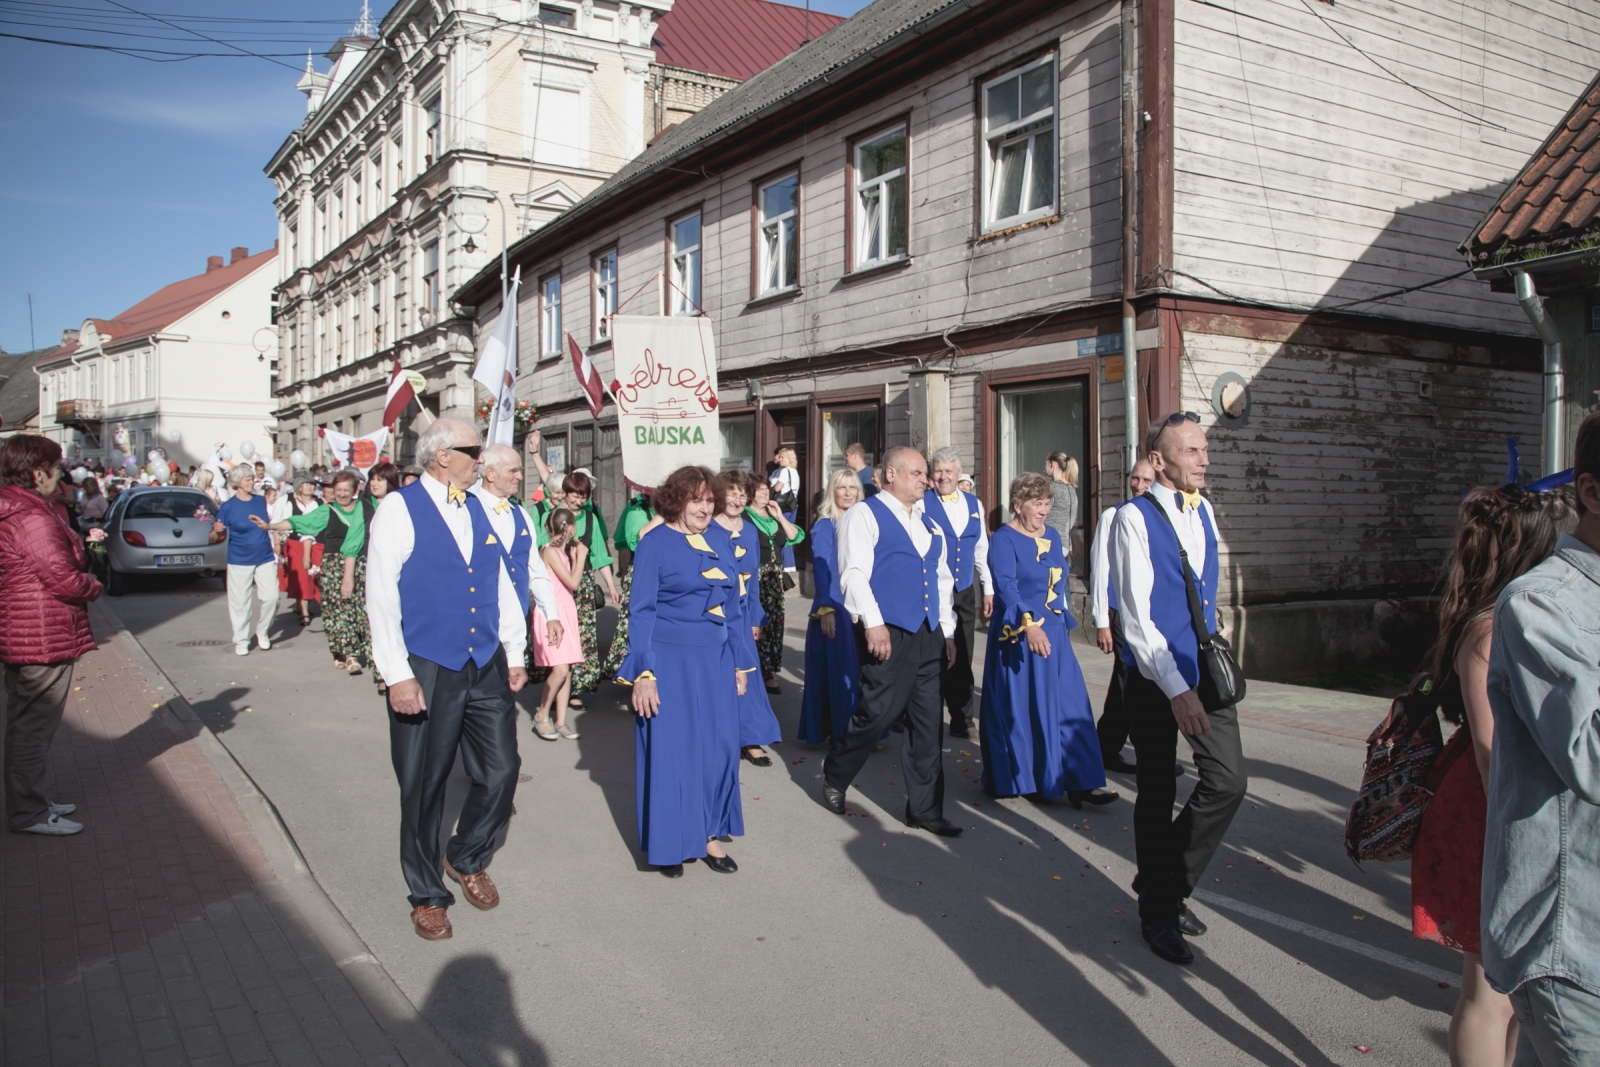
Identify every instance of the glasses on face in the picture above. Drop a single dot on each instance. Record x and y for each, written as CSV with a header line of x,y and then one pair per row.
x,y
467,450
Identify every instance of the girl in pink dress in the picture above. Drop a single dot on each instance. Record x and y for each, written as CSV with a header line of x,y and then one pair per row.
x,y
564,559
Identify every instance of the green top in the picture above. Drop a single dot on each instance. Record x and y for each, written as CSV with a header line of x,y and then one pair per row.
x,y
635,517
769,526
355,521
599,555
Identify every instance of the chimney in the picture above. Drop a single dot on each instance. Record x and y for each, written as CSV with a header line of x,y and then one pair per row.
x,y
213,263
69,337
236,254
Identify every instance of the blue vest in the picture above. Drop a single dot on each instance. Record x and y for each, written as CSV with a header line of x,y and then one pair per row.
x,y
962,551
899,572
1169,597
450,608
516,556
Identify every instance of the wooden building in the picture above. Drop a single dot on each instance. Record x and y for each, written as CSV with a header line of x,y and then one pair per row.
x,y
925,227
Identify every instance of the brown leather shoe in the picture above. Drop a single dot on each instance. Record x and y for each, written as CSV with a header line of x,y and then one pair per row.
x,y
430,922
477,888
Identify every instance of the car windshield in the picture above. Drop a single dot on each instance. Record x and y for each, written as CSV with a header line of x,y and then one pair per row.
x,y
170,506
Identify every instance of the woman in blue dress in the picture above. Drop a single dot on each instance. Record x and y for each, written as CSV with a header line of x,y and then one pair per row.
x,y
1036,725
685,665
833,674
758,726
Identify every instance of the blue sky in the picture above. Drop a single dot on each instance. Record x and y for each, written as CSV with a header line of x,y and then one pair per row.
x,y
121,175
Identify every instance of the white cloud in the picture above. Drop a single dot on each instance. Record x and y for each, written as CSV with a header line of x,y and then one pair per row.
x,y
210,115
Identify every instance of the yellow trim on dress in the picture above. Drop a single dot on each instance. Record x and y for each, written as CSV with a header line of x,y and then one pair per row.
x,y
620,680
716,609
715,574
1007,633
699,544
820,612
1054,590
1043,544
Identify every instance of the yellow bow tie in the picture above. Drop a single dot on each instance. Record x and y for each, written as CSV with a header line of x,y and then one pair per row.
x,y
455,496
952,498
502,507
1190,500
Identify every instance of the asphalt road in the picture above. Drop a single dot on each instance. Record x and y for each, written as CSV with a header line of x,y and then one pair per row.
x,y
840,940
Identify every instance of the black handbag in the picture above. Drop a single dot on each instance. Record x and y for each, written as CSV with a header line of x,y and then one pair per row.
x,y
1221,681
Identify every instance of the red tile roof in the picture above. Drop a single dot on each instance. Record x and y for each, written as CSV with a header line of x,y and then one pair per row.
x,y
734,38
1557,195
170,303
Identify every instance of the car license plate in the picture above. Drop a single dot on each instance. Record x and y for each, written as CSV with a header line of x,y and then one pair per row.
x,y
179,561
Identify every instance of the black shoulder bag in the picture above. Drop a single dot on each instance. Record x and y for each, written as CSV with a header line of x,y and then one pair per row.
x,y
1221,680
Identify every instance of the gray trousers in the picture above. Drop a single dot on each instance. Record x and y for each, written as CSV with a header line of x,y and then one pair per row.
x,y
36,694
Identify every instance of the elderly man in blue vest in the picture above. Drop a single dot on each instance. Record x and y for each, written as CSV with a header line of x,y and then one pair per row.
x,y
966,539
500,479
897,586
1154,538
448,635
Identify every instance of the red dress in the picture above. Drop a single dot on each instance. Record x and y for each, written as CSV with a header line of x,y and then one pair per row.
x,y
1447,863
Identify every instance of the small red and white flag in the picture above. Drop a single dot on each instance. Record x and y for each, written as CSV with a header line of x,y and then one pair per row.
x,y
403,388
588,377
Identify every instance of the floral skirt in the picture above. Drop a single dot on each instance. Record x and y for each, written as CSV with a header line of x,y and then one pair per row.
x,y
770,647
586,676
344,619
619,640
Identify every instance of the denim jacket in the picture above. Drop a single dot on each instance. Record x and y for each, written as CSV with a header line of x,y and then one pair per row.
x,y
1541,861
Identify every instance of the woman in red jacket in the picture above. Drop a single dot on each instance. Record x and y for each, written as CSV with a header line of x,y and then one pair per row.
x,y
44,625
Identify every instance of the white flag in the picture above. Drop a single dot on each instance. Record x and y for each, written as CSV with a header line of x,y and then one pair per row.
x,y
497,369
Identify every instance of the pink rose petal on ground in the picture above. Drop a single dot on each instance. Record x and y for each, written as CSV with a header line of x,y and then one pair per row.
x,y
1363,1048
1119,911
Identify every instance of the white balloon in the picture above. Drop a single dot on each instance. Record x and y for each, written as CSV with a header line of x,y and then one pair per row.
x,y
277,469
297,460
152,456
80,475
130,463
225,454
175,435
247,449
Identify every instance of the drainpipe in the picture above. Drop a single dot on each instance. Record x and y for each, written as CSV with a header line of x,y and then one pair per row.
x,y
1551,455
1130,352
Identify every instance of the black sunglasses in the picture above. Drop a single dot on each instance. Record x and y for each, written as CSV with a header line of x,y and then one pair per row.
x,y
1178,418
467,450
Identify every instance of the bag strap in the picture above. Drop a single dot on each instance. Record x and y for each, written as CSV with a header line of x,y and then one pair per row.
x,y
1196,617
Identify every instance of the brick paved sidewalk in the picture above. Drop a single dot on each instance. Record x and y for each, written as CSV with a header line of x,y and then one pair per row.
x,y
163,934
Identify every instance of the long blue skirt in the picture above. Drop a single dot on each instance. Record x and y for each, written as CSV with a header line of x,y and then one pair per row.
x,y
832,682
686,758
1036,725
758,724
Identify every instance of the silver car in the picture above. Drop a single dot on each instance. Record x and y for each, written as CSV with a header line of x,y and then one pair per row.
x,y
161,529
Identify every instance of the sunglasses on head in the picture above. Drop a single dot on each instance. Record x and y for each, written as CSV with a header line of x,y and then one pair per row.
x,y
467,450
1178,418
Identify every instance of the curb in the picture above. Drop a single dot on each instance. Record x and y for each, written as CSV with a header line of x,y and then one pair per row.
x,y
297,891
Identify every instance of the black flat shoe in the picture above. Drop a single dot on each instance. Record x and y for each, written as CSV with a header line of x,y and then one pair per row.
x,y
673,871
1188,921
721,864
1079,797
961,730
942,827
762,760
834,798
1116,763
1167,942
772,686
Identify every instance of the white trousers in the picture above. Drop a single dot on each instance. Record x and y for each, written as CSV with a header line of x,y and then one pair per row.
x,y
252,599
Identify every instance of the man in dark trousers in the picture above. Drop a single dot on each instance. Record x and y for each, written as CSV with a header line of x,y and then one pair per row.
x,y
1149,538
897,587
1113,725
966,540
448,636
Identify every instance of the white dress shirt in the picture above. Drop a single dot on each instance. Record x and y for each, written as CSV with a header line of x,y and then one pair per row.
x,y
959,516
1100,570
389,543
1135,577
858,542
505,528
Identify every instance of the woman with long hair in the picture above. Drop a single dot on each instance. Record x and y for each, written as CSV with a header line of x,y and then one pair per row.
x,y
774,533
1504,532
684,665
833,673
564,559
758,726
1062,470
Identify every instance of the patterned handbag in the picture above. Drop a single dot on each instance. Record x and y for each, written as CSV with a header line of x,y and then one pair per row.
x,y
1397,779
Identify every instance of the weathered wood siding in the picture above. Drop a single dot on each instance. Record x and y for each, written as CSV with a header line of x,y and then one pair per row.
x,y
1309,173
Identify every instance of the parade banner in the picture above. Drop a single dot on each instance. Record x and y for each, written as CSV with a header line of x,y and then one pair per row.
x,y
665,389
358,452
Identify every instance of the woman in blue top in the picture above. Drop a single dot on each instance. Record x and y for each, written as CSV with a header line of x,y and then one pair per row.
x,y
833,674
758,726
252,565
687,673
1036,725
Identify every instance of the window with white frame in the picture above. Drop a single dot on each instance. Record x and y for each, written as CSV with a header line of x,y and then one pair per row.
x,y
149,374
338,334
880,198
375,168
1019,130
685,237
605,293
322,230
550,338
358,191
355,326
430,279
377,315
398,154
778,209
319,355
558,15
398,288
433,138
338,214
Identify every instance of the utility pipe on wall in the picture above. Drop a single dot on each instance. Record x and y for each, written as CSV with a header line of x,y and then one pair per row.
x,y
1551,455
1130,351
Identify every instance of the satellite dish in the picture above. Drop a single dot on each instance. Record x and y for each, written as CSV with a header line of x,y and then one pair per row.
x,y
264,339
473,224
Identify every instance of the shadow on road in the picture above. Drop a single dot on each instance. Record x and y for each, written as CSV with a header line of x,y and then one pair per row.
x,y
472,1005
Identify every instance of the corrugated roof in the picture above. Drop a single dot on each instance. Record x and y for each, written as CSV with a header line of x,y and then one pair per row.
x,y
1557,195
170,303
734,38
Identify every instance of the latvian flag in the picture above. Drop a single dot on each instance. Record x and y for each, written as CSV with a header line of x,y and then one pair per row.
x,y
403,389
588,377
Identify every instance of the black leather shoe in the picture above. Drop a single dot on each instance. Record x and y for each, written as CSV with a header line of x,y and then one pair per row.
x,y
762,760
961,730
673,871
1188,921
721,864
1115,762
943,827
834,798
1079,797
1167,942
